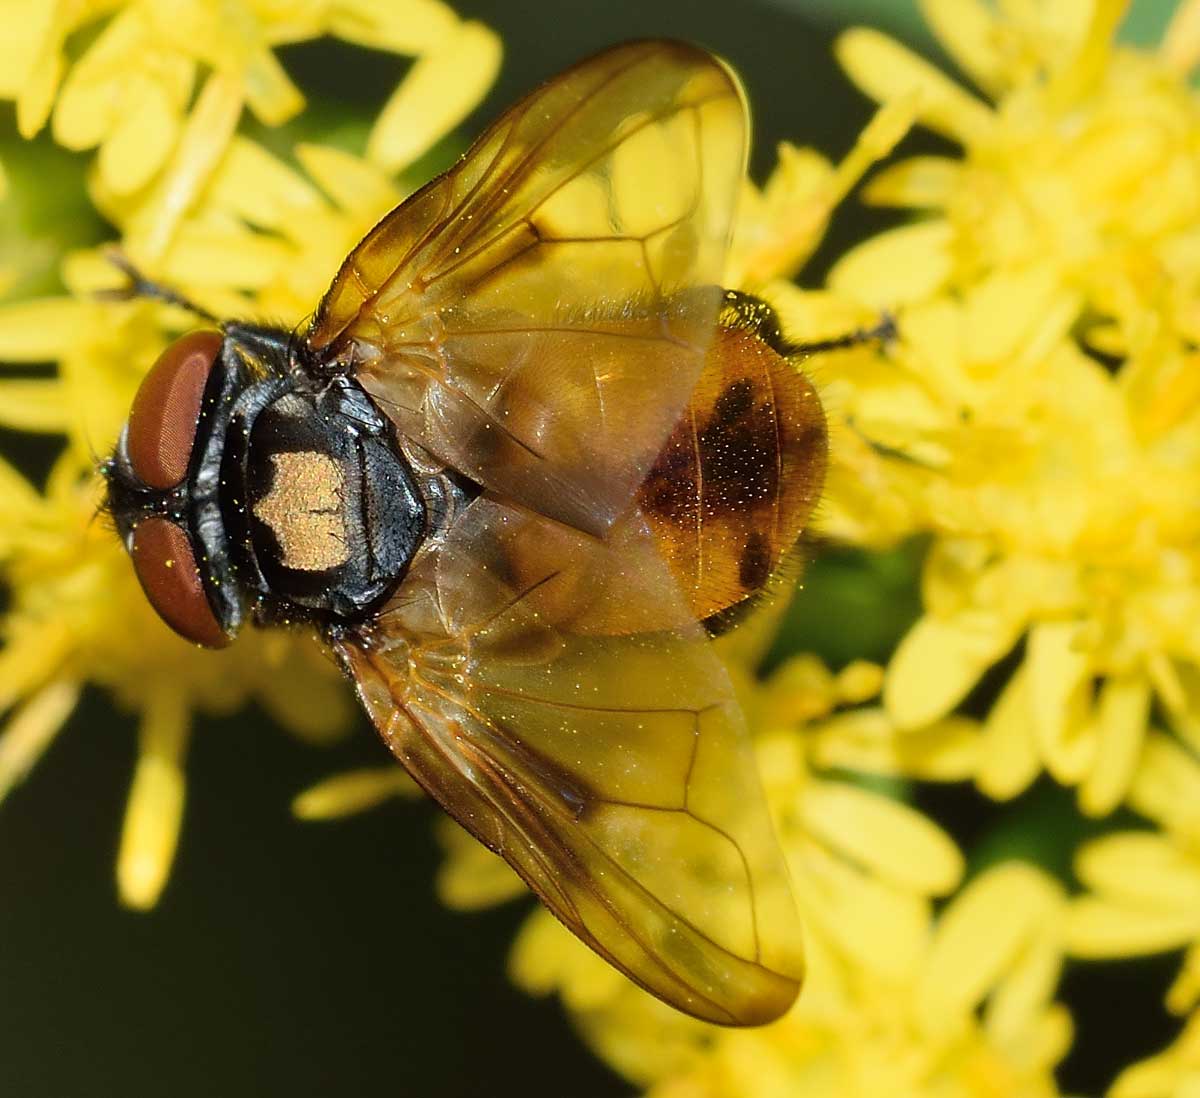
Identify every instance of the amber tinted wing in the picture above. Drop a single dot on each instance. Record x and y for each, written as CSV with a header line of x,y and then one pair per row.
x,y
613,773
537,316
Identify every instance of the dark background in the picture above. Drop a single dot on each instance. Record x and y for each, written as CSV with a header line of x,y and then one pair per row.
x,y
314,959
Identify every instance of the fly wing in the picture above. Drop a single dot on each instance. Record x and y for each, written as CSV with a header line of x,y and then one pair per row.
x,y
514,677
537,317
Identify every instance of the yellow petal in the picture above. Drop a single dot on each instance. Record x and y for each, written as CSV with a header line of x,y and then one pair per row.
x,y
414,27
472,877
40,330
938,662
1168,684
20,505
1026,990
85,271
778,229
1183,720
970,32
154,811
1084,68
858,681
263,190
141,140
35,405
308,697
435,96
874,924
893,841
1097,928
37,96
205,138
866,740
354,184
31,62
921,182
1141,869
270,93
1166,787
204,256
981,935
1050,1041
886,70
90,102
351,792
546,957
1121,715
1185,990
33,653
1181,43
1010,758
897,266
31,730
887,127
800,690
1059,678
1004,308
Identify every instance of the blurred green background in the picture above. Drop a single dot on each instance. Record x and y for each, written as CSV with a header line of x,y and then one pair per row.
x,y
314,959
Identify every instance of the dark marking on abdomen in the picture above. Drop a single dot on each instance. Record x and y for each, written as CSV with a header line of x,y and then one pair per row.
x,y
754,567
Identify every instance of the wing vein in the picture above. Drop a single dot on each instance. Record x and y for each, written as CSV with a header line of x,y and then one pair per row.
x,y
522,793
605,150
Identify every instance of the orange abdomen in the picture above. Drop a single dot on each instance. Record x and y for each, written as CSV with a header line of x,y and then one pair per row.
x,y
737,480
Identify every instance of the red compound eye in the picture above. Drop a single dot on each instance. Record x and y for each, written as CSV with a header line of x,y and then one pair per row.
x,y
166,410
166,568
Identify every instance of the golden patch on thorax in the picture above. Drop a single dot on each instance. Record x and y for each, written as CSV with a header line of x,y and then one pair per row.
x,y
304,510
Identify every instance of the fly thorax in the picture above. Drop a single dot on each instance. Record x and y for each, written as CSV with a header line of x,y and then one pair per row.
x,y
332,513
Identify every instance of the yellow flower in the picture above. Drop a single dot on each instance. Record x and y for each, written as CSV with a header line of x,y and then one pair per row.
x,y
1040,415
265,240
129,92
779,226
1144,886
75,613
962,1009
1038,423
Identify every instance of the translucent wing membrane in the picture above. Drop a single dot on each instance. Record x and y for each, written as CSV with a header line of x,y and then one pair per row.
x,y
515,677
538,316
538,319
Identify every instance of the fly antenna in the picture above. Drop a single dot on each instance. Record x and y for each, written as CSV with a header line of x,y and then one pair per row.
x,y
137,285
883,333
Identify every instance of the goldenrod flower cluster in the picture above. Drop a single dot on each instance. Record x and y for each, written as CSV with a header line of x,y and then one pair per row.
x,y
160,92
1041,423
1036,425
